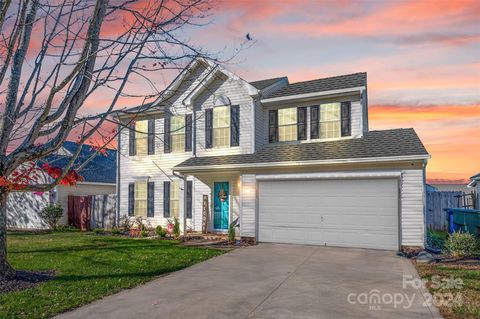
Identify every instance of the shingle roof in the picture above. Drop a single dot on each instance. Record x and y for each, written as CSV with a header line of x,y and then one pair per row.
x,y
387,143
261,84
319,85
101,169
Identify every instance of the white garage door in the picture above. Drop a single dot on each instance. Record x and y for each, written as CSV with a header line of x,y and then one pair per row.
x,y
348,213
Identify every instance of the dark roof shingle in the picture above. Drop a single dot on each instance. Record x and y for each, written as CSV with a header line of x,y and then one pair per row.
x,y
387,143
320,85
262,84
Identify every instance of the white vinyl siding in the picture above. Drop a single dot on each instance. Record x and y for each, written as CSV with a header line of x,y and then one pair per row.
x,y
287,124
412,205
248,206
177,133
330,120
141,137
221,126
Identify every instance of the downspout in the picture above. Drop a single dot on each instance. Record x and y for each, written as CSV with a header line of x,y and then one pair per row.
x,y
117,185
424,202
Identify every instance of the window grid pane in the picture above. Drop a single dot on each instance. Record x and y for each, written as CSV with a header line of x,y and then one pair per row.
x,y
141,137
287,124
175,200
177,134
221,126
140,208
330,120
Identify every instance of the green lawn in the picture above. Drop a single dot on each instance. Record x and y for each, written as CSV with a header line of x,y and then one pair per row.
x,y
468,306
88,267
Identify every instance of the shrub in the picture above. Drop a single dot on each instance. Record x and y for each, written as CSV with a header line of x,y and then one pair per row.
x,y
51,214
66,228
144,233
158,229
98,230
162,233
116,231
231,232
460,245
125,223
176,228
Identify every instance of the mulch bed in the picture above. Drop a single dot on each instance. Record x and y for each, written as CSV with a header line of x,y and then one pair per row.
x,y
24,280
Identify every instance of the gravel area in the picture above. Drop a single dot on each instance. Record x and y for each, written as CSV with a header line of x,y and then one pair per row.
x,y
24,280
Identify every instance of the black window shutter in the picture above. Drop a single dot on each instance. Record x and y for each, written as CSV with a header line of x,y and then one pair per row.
x,y
273,126
234,125
209,128
189,198
131,199
150,199
166,136
301,123
166,199
151,137
314,121
346,118
188,132
131,143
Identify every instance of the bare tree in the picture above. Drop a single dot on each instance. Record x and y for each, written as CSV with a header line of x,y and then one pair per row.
x,y
57,55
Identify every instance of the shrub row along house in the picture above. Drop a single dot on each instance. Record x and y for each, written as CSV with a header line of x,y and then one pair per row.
x,y
287,162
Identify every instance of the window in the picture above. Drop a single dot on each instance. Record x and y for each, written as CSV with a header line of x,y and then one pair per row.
x,y
140,208
330,120
174,199
287,124
221,126
141,137
177,133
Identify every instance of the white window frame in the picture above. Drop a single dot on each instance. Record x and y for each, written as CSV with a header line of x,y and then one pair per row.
x,y
175,199
177,134
289,127
330,126
223,126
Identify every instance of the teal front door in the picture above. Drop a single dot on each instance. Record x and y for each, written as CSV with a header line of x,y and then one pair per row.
x,y
220,205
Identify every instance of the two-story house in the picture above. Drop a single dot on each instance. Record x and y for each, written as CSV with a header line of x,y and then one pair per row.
x,y
290,162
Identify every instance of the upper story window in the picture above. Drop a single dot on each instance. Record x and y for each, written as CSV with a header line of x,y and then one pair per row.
x,y
221,126
141,137
287,124
178,133
330,120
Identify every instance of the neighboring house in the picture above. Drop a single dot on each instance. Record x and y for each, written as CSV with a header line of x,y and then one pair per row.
x,y
475,185
290,162
99,178
452,188
430,188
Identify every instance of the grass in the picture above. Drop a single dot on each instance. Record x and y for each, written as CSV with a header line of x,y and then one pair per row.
x,y
87,267
469,305
438,234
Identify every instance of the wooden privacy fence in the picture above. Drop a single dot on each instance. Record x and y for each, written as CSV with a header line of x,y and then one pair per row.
x,y
436,202
92,211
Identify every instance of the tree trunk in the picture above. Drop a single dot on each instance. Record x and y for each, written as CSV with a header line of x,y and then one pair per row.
x,y
5,269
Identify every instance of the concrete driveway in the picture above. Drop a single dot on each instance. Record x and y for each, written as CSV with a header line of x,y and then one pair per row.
x,y
275,281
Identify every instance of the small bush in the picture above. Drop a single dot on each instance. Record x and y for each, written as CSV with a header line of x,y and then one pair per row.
x,y
144,233
116,231
176,228
125,223
461,245
158,229
162,233
231,232
51,214
66,228
98,231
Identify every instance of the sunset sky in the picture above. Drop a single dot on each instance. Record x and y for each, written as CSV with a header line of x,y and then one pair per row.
x,y
422,59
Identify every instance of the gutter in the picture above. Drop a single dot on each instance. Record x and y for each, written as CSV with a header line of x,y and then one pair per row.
x,y
307,163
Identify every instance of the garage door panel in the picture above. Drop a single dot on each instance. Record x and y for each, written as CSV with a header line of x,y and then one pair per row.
x,y
351,213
